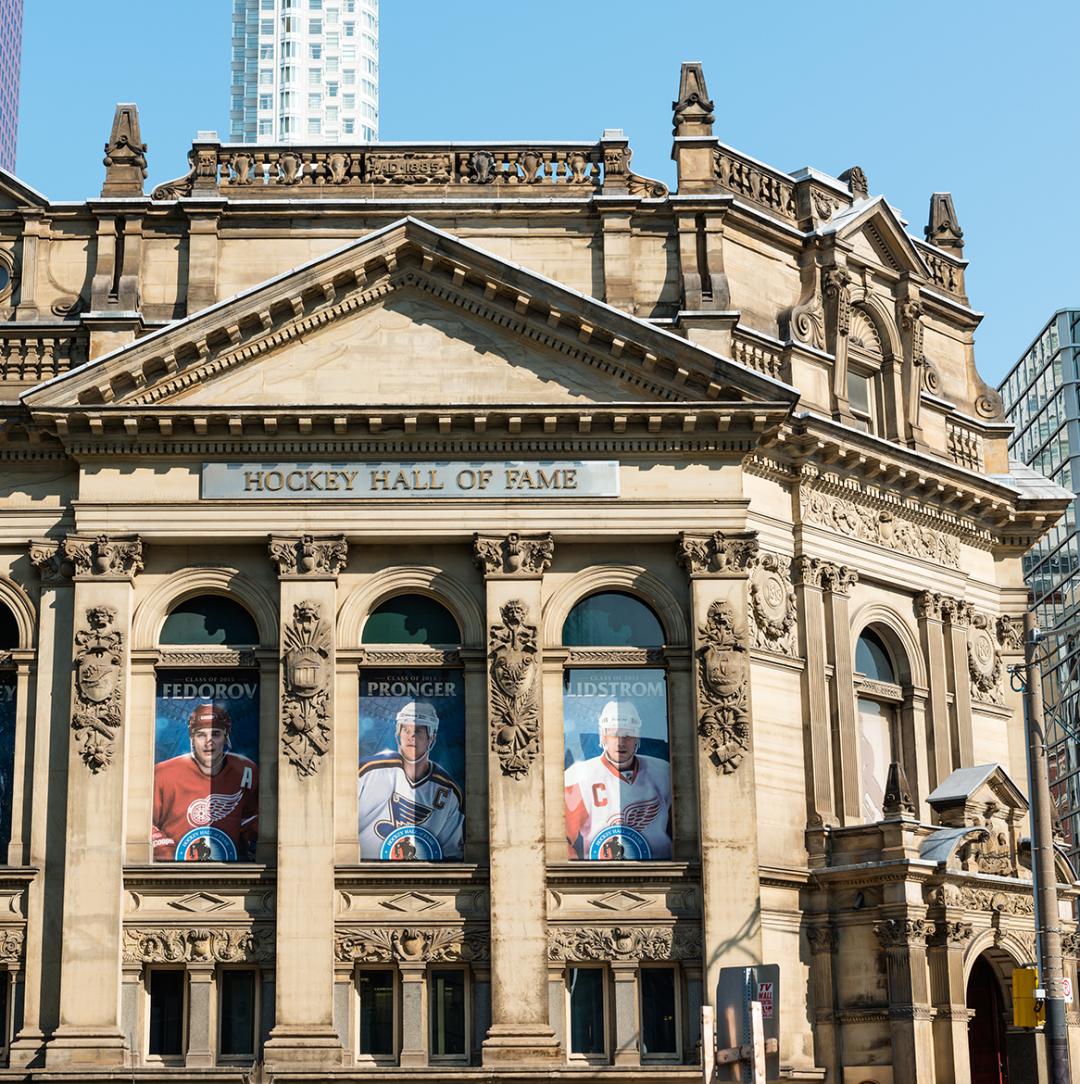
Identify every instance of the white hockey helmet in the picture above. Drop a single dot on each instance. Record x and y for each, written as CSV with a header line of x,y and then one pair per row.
x,y
620,717
418,713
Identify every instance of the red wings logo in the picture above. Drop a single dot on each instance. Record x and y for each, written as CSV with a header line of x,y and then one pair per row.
x,y
212,808
638,814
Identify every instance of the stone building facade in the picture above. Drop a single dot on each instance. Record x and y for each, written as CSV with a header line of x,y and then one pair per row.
x,y
705,479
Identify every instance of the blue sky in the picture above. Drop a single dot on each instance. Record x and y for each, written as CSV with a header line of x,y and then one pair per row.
x,y
980,99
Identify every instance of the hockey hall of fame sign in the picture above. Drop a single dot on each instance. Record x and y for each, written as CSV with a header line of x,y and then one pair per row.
x,y
206,766
617,765
411,779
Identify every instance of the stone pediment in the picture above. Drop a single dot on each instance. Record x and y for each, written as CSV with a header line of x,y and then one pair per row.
x,y
407,315
873,230
14,193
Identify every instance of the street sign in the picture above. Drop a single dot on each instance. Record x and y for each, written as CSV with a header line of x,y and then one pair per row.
x,y
765,996
1066,990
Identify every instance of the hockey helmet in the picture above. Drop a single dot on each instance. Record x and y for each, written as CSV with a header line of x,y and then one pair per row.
x,y
621,718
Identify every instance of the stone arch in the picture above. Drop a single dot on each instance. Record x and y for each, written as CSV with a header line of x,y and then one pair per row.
x,y
16,600
634,580
899,637
882,321
186,583
1003,950
441,586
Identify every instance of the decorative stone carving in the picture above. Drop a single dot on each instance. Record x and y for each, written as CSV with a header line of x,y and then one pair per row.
x,y
838,579
407,167
48,557
984,661
693,112
1070,944
125,154
856,180
309,555
422,657
821,939
988,851
481,167
806,321
882,527
223,657
987,899
582,943
910,314
99,679
773,605
898,933
306,675
762,186
722,676
1010,632
104,556
716,554
515,711
615,656
11,944
513,554
835,283
943,228
955,934
897,800
223,945
439,944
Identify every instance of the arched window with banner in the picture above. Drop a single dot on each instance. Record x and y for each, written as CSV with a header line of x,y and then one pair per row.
x,y
879,698
617,760
206,734
9,641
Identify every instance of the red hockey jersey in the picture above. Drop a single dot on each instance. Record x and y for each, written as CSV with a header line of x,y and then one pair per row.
x,y
201,817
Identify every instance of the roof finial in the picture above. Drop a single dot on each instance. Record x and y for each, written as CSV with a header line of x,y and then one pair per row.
x,y
125,154
693,111
898,800
943,230
856,180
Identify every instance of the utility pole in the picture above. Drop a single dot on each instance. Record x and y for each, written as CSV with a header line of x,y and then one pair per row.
x,y
1044,875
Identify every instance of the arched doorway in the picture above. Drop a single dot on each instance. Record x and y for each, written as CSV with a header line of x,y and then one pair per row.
x,y
986,1029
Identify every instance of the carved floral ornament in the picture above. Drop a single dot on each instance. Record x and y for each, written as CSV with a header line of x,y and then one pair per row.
x,y
99,674
514,710
309,555
987,900
984,660
513,554
439,944
305,697
773,605
717,554
103,556
223,945
722,678
587,943
838,579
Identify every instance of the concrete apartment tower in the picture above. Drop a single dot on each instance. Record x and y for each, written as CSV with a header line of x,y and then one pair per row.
x,y
305,71
11,18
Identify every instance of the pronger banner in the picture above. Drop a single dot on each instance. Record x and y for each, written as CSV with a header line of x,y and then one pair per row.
x,y
410,478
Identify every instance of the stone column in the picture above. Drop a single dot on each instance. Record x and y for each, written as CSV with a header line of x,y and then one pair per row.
x,y
200,1018
202,253
344,1007
34,228
717,567
823,942
838,580
520,1033
45,847
949,995
910,1014
817,735
414,1030
90,1032
304,1034
932,638
627,1029
958,614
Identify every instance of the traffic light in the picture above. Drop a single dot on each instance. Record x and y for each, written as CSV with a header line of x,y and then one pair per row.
x,y
1027,1012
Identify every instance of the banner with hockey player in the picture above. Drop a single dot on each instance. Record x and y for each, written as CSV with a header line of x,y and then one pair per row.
x,y
617,764
7,757
412,765
206,766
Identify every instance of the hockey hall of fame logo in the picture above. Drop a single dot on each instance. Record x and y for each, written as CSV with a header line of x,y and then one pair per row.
x,y
411,843
206,844
620,842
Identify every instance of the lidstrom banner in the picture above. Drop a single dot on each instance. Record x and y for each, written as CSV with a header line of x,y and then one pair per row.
x,y
411,478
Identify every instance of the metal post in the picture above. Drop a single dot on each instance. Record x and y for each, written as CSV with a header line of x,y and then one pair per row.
x,y
1048,919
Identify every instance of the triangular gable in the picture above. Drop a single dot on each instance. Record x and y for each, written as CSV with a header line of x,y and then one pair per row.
x,y
15,193
237,334
875,223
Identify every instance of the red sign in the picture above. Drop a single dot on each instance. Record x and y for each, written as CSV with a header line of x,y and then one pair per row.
x,y
765,996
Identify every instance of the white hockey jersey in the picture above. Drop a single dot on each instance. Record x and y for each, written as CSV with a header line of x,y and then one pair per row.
x,y
400,820
619,814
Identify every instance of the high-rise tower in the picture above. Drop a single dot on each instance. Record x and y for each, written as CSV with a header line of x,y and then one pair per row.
x,y
305,71
11,18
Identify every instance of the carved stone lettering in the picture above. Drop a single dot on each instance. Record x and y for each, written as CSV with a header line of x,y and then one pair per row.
x,y
307,669
99,678
408,168
722,676
515,712
513,554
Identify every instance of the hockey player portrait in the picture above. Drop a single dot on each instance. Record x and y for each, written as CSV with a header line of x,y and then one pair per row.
x,y
618,802
206,798
411,805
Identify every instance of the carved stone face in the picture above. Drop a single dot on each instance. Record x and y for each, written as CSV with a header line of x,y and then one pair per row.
x,y
514,612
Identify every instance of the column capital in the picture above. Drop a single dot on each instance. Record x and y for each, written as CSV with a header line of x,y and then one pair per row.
x,y
104,557
822,939
717,554
814,572
308,555
956,611
48,557
928,605
901,934
520,555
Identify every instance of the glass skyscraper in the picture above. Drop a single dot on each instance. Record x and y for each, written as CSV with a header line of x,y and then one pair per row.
x,y
305,71
11,18
1042,402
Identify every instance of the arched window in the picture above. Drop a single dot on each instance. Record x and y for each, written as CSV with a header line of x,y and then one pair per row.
x,y
617,760
411,619
612,619
878,699
865,385
411,784
206,734
209,619
9,641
